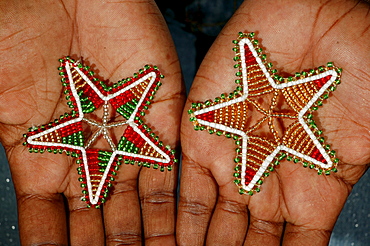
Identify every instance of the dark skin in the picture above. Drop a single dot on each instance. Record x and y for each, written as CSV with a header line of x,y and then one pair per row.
x,y
116,39
295,206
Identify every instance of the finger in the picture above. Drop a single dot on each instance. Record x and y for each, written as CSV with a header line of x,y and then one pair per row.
x,y
264,232
229,222
158,202
42,219
266,221
85,224
312,204
41,209
197,199
122,216
299,235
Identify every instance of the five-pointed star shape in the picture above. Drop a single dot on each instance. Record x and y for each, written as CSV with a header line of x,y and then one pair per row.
x,y
300,142
138,145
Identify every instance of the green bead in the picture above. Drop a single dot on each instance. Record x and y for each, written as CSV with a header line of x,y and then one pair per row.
x,y
282,156
259,182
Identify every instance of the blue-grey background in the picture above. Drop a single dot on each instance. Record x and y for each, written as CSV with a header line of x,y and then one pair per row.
x,y
194,24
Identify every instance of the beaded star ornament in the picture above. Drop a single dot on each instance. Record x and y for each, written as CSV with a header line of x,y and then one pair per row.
x,y
258,152
75,133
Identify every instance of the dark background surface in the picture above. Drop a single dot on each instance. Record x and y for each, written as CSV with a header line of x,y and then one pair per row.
x,y
194,24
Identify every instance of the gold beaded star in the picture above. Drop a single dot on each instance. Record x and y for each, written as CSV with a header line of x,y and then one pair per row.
x,y
258,152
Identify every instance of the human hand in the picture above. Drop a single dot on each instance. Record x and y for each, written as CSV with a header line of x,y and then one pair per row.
x,y
116,39
295,206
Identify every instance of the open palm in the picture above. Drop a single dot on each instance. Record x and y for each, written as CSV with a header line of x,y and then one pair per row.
x,y
295,206
116,40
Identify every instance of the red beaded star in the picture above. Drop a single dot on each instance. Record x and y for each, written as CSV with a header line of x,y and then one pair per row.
x,y
231,115
75,133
